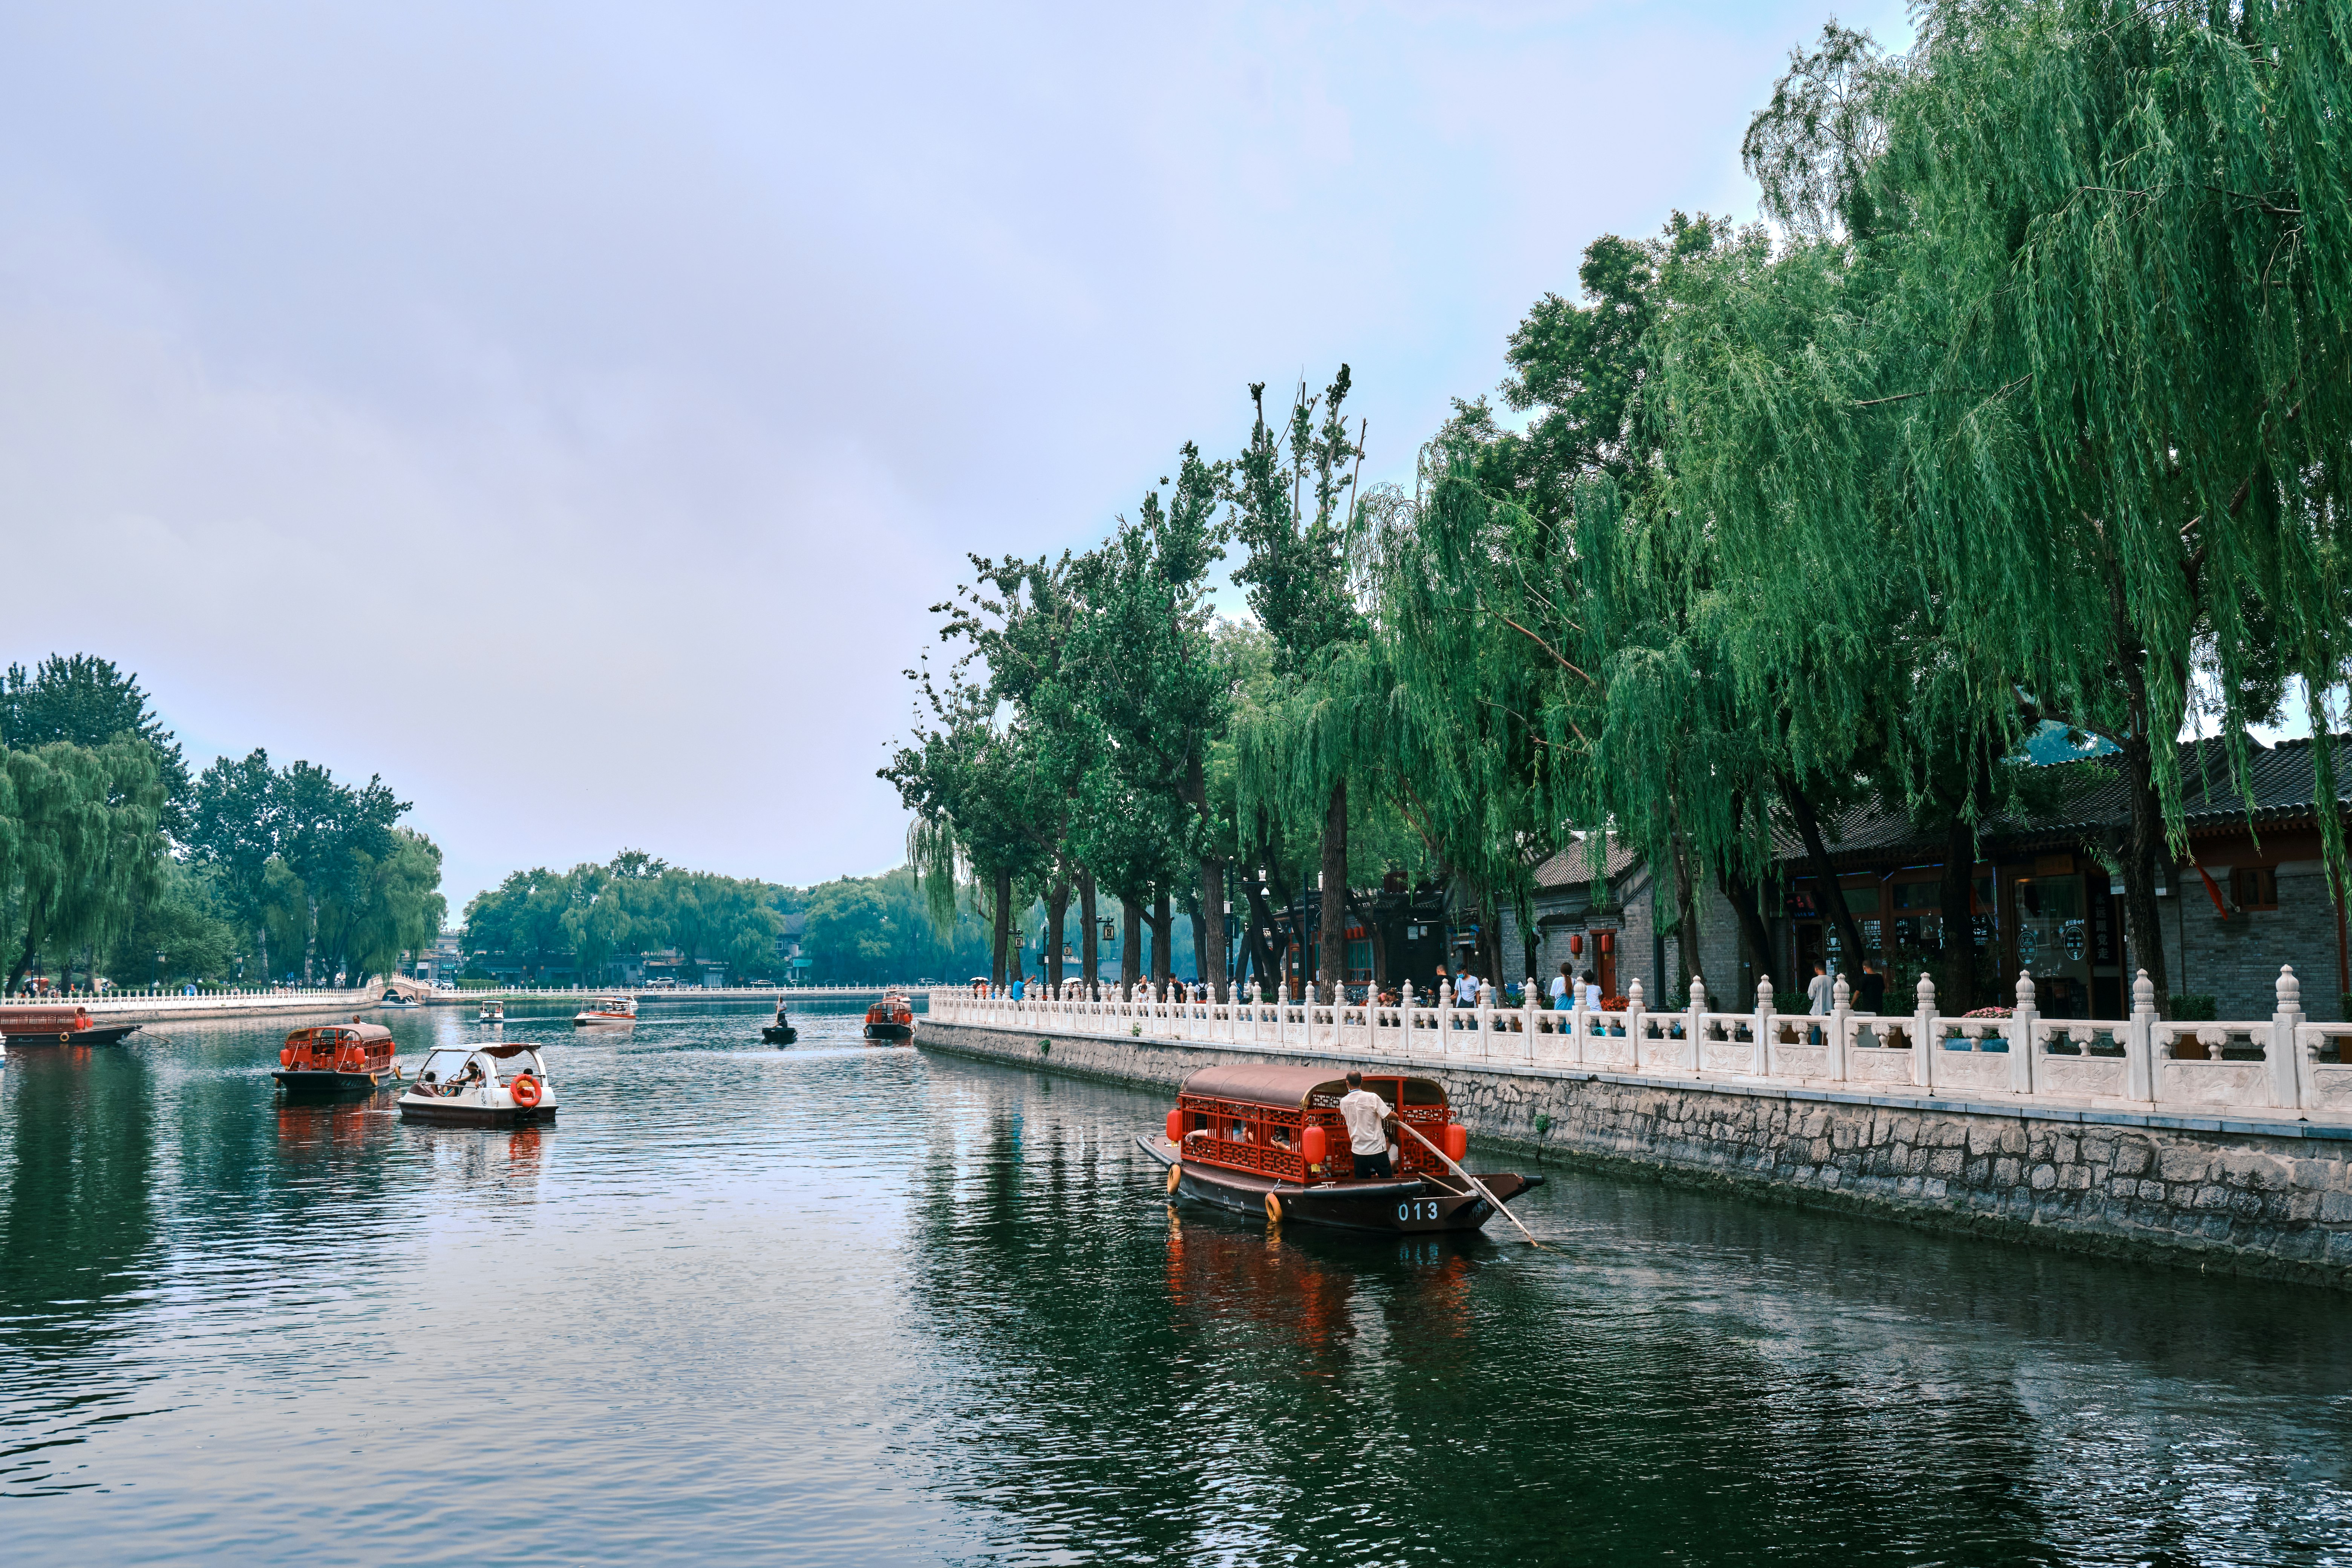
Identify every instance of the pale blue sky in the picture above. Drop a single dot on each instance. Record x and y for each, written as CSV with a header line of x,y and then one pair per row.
x,y
570,411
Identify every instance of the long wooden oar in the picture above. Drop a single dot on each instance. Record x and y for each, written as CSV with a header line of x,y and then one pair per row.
x,y
1479,1185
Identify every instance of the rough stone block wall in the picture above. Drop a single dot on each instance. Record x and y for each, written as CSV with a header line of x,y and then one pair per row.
x,y
2237,961
2241,1202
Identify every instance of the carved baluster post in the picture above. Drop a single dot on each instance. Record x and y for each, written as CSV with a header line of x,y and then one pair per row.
x,y
2139,1042
1579,1026
2021,1065
1527,1020
1840,1028
1487,1019
1635,1009
1762,1026
1924,1043
1694,1025
2284,1052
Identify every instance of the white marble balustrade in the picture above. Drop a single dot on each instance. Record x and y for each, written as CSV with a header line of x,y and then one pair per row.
x,y
2283,1063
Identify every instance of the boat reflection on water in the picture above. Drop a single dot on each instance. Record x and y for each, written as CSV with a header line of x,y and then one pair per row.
x,y
1303,1285
307,1127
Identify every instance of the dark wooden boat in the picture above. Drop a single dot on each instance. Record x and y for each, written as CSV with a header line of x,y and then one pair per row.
x,y
59,1027
780,1032
892,1018
335,1058
1269,1138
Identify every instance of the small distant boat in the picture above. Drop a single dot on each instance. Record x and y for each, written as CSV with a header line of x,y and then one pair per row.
x,y
1262,1136
501,1085
59,1027
780,1032
494,1013
892,1018
606,1010
335,1058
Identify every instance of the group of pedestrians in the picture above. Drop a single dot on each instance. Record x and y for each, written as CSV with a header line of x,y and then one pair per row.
x,y
1566,987
1868,995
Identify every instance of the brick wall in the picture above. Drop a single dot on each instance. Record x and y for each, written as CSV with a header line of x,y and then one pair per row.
x,y
2237,961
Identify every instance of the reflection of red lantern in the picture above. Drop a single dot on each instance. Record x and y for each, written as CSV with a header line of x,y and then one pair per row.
x,y
1608,942
1576,946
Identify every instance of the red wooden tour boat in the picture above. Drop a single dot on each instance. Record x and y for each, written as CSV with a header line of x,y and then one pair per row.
x,y
59,1027
1271,1138
891,1018
334,1058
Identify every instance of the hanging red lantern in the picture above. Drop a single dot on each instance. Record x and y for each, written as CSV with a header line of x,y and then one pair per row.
x,y
1575,946
1608,942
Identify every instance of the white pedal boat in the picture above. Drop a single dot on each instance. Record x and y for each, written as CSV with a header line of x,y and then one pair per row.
x,y
503,1085
606,1010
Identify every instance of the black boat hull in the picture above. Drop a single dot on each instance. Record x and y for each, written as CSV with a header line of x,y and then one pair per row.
x,y
1411,1207
891,1032
776,1034
477,1115
106,1034
321,1083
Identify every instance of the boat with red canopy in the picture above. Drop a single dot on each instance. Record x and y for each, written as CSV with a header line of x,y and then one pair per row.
x,y
59,1027
333,1058
892,1018
1270,1137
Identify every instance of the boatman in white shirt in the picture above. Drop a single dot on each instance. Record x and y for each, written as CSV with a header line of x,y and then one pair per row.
x,y
1369,1119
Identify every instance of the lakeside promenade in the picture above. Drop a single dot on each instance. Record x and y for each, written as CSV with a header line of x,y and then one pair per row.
x,y
2224,1145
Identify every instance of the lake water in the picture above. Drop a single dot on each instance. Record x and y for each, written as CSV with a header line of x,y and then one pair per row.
x,y
836,1304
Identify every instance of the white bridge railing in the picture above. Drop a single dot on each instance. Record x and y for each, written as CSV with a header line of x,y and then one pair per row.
x,y
2284,1063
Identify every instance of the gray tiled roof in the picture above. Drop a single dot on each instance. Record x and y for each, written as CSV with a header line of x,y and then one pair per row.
x,y
1575,866
2279,778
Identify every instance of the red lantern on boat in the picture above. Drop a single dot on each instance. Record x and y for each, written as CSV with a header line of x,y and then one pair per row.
x,y
1456,1141
1176,1127
1315,1145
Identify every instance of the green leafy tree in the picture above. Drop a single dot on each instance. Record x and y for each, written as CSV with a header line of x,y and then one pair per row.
x,y
1291,506
81,844
86,700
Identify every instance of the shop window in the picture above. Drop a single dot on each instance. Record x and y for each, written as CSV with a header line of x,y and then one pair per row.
x,y
2254,887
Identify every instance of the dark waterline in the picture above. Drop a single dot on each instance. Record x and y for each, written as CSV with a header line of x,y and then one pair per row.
x,y
835,1304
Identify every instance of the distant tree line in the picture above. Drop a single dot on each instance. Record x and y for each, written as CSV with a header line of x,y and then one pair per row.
x,y
580,922
587,923
2035,407
114,862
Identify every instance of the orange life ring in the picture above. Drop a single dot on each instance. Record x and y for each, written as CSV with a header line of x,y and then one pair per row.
x,y
525,1091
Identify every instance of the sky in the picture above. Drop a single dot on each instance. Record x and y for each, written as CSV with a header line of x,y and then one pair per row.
x,y
571,411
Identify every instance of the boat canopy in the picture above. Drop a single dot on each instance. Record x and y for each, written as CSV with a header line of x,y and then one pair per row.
x,y
366,1033
506,1049
1258,1084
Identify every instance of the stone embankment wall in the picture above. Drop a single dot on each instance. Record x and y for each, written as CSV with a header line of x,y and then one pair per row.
x,y
2271,1201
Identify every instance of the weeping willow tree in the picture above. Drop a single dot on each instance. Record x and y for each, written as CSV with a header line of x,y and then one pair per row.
x,y
2051,390
81,843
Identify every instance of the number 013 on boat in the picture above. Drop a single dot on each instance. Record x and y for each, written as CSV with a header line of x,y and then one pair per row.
x,y
1272,1138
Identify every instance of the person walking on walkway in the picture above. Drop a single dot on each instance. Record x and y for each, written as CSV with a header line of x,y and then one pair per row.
x,y
1870,991
1819,990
